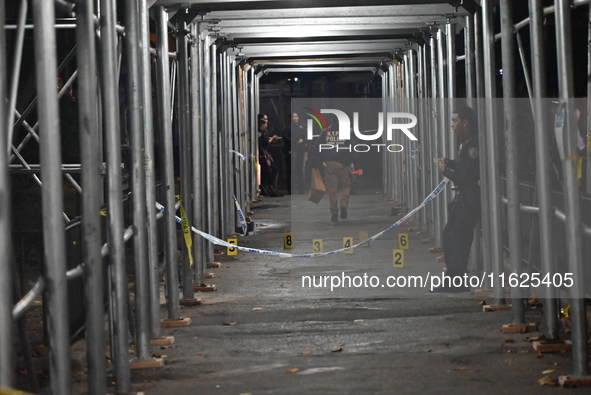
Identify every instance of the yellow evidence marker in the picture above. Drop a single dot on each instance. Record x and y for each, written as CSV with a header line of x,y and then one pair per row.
x,y
317,246
347,242
287,241
364,235
398,258
233,251
403,241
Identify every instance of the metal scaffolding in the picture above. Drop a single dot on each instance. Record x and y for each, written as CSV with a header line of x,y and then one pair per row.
x,y
163,112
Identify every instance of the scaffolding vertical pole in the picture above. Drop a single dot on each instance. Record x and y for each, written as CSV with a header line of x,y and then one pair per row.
x,y
426,146
387,161
253,106
443,119
209,143
511,156
53,224
392,159
589,105
413,153
154,270
450,41
221,133
91,196
469,62
225,157
7,357
237,117
138,179
408,178
542,144
489,140
475,252
571,189
246,133
481,233
164,109
185,137
423,143
215,142
399,106
241,131
110,104
435,114
198,162
226,177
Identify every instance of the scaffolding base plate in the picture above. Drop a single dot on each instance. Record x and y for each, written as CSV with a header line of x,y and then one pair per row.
x,y
205,288
483,293
573,382
175,323
162,341
215,265
146,364
190,302
502,307
520,328
544,346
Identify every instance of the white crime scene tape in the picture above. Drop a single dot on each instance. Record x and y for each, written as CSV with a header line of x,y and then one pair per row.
x,y
241,217
224,243
243,157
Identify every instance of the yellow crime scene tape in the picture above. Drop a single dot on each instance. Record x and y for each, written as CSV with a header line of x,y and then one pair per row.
x,y
186,230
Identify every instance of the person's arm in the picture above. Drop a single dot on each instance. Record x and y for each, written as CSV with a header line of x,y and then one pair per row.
x,y
465,175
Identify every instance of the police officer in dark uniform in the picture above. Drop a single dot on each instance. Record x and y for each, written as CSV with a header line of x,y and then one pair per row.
x,y
464,209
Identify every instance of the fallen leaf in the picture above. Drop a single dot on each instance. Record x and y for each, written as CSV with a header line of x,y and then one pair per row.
x,y
230,323
547,380
358,320
540,355
548,371
258,308
534,338
460,369
509,341
306,352
292,370
522,351
337,349
483,303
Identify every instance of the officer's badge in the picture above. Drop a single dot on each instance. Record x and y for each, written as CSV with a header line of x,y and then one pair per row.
x,y
473,152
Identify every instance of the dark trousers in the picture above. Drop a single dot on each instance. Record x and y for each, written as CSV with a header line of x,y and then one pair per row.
x,y
457,238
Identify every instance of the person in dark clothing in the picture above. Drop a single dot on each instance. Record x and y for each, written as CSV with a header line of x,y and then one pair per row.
x,y
269,169
335,160
296,154
464,209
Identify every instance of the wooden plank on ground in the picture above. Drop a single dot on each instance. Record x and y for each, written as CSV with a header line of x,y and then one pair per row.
x,y
162,341
175,323
546,346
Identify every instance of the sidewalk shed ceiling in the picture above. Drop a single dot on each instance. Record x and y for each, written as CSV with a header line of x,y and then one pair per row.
x,y
305,35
